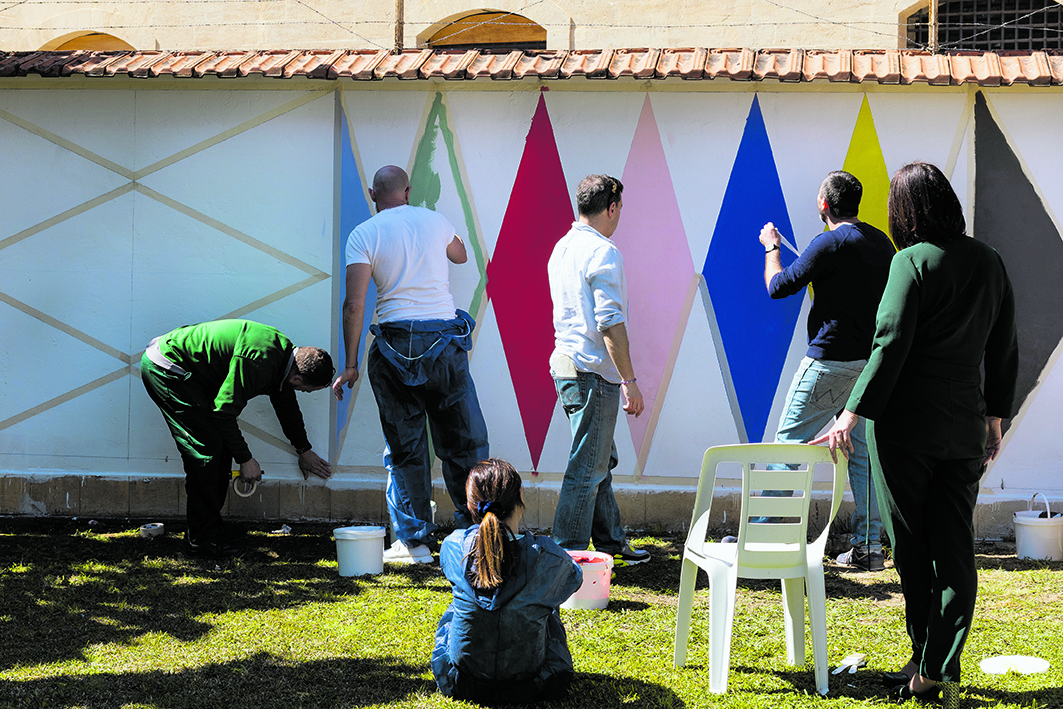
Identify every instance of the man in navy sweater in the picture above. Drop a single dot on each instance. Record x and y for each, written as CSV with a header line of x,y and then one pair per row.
x,y
847,267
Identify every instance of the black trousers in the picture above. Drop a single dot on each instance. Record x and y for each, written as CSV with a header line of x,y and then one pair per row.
x,y
927,508
207,460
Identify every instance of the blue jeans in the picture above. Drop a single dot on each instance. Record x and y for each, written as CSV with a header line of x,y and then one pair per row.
x,y
420,375
586,509
818,393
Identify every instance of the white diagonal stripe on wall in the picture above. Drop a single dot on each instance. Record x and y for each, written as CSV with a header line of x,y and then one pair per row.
x,y
229,231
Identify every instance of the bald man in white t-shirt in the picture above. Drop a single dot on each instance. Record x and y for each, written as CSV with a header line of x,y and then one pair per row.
x,y
418,363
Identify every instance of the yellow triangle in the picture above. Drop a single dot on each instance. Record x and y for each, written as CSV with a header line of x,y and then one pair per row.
x,y
865,161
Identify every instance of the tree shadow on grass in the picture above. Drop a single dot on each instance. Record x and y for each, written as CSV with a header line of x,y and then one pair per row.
x,y
261,681
978,697
661,575
63,594
605,692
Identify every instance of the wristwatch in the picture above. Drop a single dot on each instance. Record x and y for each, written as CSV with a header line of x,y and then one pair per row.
x,y
773,248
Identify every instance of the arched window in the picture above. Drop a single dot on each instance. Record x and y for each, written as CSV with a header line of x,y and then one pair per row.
x,y
488,29
990,25
94,41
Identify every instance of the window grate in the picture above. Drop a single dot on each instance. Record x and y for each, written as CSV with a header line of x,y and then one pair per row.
x,y
991,25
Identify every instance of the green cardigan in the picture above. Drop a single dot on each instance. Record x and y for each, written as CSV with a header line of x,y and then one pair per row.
x,y
234,361
944,308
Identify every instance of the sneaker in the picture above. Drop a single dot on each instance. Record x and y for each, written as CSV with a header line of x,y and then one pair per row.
x,y
862,561
400,553
630,557
211,550
729,539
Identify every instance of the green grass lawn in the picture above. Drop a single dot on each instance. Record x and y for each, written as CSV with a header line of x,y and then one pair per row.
x,y
105,618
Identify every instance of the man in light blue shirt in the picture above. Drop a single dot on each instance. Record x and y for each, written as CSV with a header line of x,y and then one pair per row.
x,y
590,365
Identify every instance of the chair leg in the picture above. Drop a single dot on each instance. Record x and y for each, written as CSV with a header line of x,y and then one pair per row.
x,y
817,617
723,582
793,601
687,579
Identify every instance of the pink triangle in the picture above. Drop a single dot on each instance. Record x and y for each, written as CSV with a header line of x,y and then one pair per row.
x,y
539,213
657,264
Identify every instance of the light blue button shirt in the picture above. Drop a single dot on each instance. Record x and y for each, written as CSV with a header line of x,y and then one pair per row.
x,y
589,294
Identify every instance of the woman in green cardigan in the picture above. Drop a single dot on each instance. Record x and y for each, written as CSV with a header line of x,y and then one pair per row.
x,y
948,307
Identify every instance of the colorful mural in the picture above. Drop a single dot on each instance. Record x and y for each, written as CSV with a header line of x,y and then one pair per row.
x,y
754,329
148,240
1010,216
864,160
660,273
539,213
354,209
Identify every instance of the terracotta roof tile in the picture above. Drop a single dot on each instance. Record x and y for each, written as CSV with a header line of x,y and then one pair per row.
x,y
634,63
538,64
449,65
685,63
360,65
832,66
971,68
780,64
179,64
691,63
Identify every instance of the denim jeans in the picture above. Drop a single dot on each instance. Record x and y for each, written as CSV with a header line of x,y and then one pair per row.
x,y
437,391
818,393
586,509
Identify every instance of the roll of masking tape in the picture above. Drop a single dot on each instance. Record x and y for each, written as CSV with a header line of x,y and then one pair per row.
x,y
152,530
241,486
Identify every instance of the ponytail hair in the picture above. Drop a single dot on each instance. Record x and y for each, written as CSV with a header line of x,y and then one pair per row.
x,y
493,493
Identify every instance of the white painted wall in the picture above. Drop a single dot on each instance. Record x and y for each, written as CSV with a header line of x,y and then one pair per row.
x,y
132,208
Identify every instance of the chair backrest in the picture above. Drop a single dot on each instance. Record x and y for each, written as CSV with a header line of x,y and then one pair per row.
x,y
775,544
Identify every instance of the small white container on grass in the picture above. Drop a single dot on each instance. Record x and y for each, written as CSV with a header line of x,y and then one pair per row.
x,y
1038,537
593,594
359,550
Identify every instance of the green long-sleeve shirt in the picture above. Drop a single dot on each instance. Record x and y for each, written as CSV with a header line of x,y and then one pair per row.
x,y
946,308
234,361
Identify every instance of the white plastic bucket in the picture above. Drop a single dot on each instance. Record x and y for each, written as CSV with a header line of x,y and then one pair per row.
x,y
359,550
593,594
1037,538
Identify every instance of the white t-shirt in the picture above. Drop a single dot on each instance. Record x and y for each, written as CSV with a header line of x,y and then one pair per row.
x,y
407,248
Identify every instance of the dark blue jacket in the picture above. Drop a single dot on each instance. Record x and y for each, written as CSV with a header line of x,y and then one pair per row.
x,y
848,268
507,643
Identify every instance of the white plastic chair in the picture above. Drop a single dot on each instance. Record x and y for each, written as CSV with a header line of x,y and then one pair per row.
x,y
775,549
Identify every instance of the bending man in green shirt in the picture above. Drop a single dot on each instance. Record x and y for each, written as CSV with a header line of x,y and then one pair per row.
x,y
201,377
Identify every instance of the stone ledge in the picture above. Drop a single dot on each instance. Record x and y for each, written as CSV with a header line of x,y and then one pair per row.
x,y
647,507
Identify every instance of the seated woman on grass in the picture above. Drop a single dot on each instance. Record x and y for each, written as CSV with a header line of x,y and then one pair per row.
x,y
501,639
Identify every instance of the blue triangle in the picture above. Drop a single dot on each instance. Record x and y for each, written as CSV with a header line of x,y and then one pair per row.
x,y
755,330
353,211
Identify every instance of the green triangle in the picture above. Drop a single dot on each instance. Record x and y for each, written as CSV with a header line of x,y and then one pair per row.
x,y
426,185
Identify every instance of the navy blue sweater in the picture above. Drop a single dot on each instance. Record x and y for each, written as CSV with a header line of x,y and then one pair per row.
x,y
848,268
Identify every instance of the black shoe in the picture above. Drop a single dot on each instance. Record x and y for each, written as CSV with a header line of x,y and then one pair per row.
x,y
892,679
630,557
211,550
862,561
